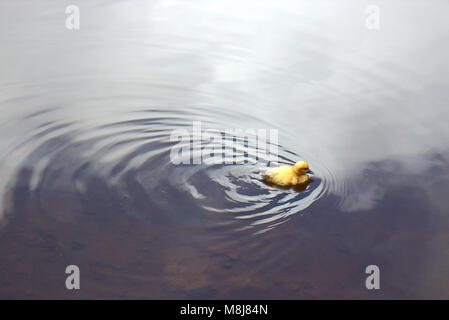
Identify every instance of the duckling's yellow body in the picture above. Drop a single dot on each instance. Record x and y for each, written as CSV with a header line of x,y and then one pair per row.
x,y
288,175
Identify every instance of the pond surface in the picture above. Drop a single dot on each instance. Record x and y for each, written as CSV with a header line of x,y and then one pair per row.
x,y
86,149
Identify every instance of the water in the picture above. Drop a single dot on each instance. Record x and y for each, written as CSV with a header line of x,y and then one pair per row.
x,y
85,149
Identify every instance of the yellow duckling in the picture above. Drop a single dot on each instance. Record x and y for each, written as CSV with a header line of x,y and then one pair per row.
x,y
288,175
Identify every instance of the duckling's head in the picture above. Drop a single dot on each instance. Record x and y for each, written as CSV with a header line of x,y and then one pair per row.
x,y
301,168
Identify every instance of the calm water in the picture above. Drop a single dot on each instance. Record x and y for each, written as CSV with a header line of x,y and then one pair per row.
x,y
86,176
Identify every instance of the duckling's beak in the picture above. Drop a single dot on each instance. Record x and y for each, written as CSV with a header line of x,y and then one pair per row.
x,y
310,171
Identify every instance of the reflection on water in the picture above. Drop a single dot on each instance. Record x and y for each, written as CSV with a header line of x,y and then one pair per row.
x,y
85,149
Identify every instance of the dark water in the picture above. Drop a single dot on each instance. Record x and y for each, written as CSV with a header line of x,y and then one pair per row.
x,y
86,176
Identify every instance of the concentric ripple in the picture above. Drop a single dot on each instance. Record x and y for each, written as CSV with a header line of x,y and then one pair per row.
x,y
134,156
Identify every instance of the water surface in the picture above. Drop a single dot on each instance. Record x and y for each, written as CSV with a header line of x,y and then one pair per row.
x,y
85,146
